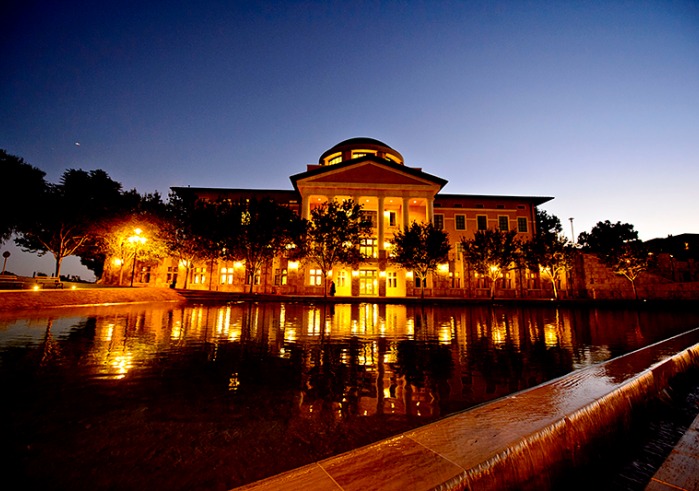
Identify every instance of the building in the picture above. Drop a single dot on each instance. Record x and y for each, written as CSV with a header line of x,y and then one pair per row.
x,y
393,195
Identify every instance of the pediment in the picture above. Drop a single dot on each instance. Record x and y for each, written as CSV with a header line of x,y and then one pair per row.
x,y
369,173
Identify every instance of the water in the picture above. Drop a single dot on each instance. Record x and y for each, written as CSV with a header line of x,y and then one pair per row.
x,y
211,397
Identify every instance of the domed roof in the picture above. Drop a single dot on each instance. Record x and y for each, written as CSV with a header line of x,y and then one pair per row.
x,y
376,147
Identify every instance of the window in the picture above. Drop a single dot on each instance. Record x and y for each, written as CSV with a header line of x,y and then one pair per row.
x,y
482,222
199,276
280,276
252,277
315,277
503,223
226,276
367,247
392,279
419,283
522,225
367,282
369,217
439,222
342,278
391,218
172,274
460,222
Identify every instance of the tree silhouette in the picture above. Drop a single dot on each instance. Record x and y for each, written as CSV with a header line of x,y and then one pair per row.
x,y
491,253
420,248
618,247
333,236
549,252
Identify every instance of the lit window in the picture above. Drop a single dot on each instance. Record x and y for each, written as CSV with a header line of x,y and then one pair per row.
x,y
439,222
482,222
252,277
227,276
315,277
280,276
503,223
342,278
199,276
522,225
367,247
392,279
460,222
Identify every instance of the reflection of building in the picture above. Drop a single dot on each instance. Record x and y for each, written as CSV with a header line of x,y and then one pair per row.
x,y
393,195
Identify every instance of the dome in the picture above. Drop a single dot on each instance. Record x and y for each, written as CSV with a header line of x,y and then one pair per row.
x,y
357,148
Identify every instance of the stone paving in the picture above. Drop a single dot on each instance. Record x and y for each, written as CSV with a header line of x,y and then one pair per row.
x,y
680,471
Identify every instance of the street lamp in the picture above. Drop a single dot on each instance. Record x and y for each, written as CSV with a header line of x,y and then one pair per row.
x,y
572,232
5,255
136,240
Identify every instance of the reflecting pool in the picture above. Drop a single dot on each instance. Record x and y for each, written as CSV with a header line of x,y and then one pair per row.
x,y
212,397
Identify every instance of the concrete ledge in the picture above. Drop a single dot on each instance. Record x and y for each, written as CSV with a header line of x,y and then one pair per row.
x,y
521,441
42,299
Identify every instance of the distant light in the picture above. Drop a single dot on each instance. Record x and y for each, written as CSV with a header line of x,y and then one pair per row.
x,y
77,144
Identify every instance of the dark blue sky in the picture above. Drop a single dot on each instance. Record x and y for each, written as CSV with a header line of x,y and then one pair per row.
x,y
594,103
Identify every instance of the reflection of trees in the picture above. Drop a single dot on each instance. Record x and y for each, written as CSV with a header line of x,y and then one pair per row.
x,y
425,365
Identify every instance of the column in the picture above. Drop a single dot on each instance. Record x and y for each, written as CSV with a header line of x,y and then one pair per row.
x,y
430,210
406,212
382,224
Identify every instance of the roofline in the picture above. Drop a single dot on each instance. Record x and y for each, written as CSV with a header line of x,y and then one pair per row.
x,y
372,158
537,200
228,190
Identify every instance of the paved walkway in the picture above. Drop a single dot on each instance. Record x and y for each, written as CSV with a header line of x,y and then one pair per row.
x,y
681,469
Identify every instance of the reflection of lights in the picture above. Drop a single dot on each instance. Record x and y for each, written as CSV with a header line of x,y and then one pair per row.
x,y
35,288
110,332
445,334
499,334
121,364
176,330
233,382
290,334
550,335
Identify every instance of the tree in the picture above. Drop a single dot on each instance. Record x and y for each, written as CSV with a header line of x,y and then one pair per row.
x,y
491,253
135,211
255,231
333,236
549,252
618,247
69,214
190,231
420,248
22,186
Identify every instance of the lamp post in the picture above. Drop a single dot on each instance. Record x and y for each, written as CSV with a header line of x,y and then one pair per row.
x,y
572,232
136,240
5,255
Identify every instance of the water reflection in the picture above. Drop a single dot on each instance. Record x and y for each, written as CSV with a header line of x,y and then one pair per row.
x,y
303,381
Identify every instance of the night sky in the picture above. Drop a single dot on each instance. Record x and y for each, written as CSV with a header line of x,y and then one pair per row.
x,y
593,103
